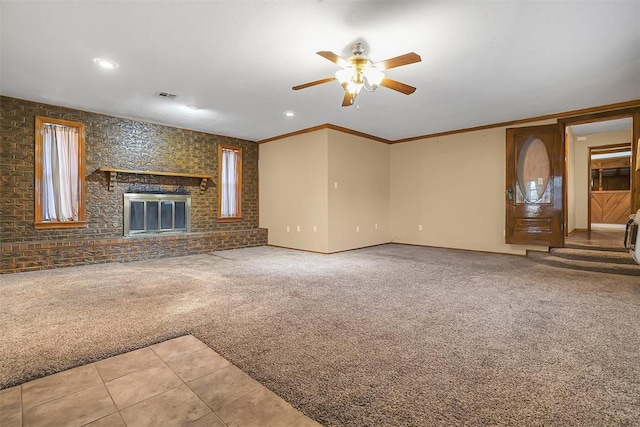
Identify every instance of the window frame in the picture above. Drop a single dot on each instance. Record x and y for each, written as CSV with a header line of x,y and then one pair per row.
x,y
39,222
238,216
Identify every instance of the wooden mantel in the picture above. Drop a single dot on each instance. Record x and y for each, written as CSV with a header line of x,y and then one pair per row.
x,y
112,174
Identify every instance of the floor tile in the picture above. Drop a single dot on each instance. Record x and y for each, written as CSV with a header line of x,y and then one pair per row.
x,y
258,408
190,366
57,385
121,365
178,406
75,409
11,407
210,420
113,420
141,385
177,346
148,387
223,386
304,421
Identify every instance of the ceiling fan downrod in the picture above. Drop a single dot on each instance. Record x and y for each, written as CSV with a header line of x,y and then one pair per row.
x,y
357,49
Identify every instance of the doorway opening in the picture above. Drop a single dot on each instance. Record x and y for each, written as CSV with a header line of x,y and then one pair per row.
x,y
599,178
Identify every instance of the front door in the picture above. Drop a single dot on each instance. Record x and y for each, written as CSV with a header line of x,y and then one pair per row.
x,y
534,194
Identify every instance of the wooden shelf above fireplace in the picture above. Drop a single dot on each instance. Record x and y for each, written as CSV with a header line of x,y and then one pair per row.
x,y
112,175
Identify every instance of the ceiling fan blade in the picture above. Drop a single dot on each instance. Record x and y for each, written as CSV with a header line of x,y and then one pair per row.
x,y
395,85
317,82
334,58
348,99
398,61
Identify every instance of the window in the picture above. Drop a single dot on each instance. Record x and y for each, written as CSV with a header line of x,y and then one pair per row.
x,y
229,183
59,174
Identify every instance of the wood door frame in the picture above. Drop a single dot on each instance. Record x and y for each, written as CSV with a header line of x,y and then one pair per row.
x,y
599,147
634,113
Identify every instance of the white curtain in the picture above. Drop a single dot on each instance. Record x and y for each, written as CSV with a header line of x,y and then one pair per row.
x,y
60,183
229,183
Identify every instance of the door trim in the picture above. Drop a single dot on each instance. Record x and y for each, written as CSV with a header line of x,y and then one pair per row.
x,y
633,111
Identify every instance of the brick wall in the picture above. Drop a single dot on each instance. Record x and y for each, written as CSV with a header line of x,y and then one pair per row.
x,y
125,144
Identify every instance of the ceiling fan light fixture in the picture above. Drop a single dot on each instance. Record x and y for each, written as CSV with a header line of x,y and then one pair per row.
x,y
359,72
344,76
353,88
374,77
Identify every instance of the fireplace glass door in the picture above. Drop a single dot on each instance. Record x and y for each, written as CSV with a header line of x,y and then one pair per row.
x,y
156,213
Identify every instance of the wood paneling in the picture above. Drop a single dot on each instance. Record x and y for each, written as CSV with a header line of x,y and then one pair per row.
x,y
622,162
610,207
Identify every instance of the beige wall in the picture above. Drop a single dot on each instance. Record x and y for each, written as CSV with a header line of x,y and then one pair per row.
x,y
453,186
581,174
358,191
293,191
334,185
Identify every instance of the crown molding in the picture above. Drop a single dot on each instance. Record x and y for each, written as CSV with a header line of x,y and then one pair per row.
x,y
561,115
326,126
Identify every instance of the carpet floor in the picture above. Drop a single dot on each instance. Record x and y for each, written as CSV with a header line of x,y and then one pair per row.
x,y
387,335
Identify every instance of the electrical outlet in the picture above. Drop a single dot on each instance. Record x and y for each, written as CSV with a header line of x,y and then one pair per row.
x,y
420,227
288,229
315,228
298,228
357,228
335,185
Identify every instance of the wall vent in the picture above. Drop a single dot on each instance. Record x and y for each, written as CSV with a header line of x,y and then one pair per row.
x,y
166,95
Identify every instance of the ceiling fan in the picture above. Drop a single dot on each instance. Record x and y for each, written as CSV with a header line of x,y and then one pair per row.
x,y
359,72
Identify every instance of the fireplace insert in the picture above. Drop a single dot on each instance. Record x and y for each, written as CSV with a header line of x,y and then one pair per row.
x,y
152,213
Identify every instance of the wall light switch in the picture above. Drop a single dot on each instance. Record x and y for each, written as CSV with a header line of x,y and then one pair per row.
x,y
357,228
298,228
420,227
540,181
315,228
376,227
288,229
335,185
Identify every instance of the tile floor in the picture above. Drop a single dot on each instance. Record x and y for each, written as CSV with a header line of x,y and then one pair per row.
x,y
598,237
178,382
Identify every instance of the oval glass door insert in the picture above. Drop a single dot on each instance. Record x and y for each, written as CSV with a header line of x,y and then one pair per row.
x,y
533,172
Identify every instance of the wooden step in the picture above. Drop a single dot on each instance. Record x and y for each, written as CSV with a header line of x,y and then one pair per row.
x,y
580,264
611,257
597,247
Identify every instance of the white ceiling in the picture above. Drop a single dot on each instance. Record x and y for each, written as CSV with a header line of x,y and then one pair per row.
x,y
482,62
603,126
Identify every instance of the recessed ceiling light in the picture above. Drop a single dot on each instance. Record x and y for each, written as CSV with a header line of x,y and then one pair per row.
x,y
193,107
289,113
105,63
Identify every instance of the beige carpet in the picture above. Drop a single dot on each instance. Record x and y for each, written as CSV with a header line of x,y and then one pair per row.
x,y
389,335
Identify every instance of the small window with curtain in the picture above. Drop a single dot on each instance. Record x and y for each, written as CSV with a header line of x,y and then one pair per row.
x,y
229,183
59,173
